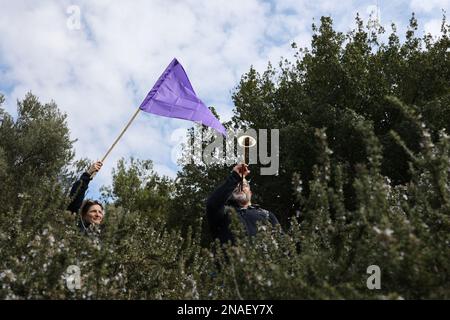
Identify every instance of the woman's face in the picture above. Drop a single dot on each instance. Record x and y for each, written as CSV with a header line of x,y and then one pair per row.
x,y
94,214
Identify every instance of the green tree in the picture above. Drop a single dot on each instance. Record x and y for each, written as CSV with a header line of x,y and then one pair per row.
x,y
363,180
193,184
341,77
136,187
35,152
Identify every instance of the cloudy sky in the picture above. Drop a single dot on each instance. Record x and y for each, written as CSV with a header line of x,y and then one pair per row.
x,y
98,68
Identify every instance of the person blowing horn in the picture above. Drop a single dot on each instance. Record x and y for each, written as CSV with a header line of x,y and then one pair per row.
x,y
235,195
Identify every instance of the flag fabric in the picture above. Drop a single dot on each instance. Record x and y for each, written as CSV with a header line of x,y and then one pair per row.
x,y
173,96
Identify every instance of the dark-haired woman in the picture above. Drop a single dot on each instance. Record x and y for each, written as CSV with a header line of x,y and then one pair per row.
x,y
90,212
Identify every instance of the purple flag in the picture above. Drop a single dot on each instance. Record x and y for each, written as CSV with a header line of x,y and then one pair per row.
x,y
173,96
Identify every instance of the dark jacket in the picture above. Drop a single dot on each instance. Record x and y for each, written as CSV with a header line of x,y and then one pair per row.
x,y
77,194
219,217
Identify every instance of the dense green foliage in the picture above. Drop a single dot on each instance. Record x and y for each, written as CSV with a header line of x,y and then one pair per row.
x,y
363,180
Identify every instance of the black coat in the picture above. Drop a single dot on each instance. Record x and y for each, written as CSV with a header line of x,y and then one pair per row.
x,y
77,194
219,217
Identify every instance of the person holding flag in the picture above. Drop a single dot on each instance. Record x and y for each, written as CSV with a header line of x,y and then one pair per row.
x,y
172,96
91,212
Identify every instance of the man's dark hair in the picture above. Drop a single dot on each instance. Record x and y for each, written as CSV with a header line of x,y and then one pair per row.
x,y
87,204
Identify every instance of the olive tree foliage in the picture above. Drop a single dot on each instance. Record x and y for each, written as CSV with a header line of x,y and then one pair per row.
x,y
340,76
363,181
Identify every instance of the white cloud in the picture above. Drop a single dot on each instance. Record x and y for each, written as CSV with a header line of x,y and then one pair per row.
x,y
99,74
429,5
433,27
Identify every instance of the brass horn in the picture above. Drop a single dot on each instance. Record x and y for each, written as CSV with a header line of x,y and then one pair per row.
x,y
246,142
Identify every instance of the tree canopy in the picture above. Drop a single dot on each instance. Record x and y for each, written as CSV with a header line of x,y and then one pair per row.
x,y
363,181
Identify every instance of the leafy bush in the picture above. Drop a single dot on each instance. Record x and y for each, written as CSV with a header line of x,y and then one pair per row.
x,y
364,181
